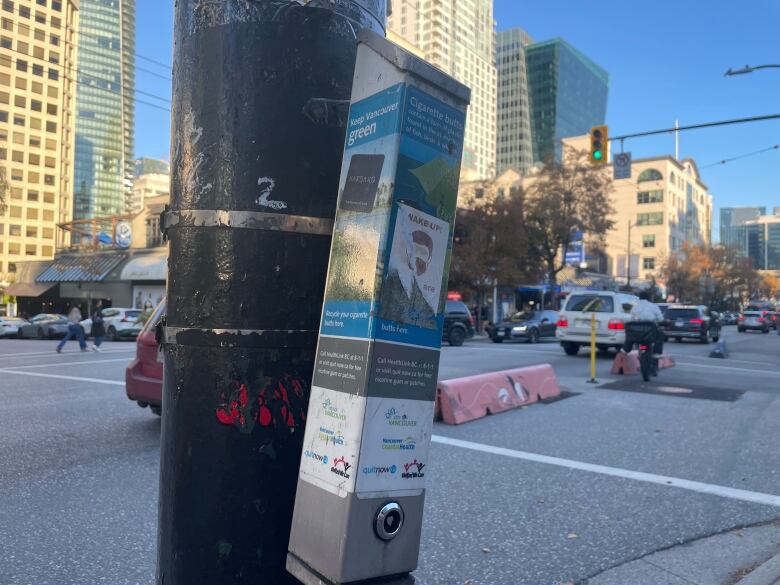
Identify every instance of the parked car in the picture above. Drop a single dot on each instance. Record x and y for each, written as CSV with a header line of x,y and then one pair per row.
x,y
728,318
44,326
529,326
143,377
691,322
9,326
458,323
119,323
753,321
611,310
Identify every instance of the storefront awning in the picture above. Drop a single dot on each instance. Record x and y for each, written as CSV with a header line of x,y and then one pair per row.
x,y
28,289
146,267
81,268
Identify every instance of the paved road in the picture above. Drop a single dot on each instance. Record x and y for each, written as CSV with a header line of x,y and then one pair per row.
x,y
536,496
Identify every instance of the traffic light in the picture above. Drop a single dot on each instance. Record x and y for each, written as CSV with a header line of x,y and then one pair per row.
x,y
599,145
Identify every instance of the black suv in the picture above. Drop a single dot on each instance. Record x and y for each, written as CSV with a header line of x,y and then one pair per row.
x,y
458,323
691,322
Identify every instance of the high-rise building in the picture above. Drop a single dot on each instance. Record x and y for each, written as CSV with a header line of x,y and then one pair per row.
x,y
147,166
513,134
148,186
104,102
732,225
568,95
458,37
38,43
762,237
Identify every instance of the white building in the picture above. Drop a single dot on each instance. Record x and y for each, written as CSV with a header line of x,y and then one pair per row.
x,y
458,37
148,186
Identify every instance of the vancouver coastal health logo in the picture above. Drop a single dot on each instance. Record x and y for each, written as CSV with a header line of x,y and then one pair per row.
x,y
407,444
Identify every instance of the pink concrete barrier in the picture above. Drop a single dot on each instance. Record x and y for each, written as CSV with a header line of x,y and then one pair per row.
x,y
464,399
628,364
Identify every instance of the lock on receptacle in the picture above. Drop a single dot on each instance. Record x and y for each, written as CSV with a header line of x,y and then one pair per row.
x,y
389,521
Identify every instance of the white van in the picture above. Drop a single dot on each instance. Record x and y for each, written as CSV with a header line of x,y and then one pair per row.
x,y
611,309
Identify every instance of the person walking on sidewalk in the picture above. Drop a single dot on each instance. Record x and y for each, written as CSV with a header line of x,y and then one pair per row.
x,y
98,327
74,330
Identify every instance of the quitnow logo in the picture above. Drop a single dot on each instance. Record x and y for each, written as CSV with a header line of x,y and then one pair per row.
x,y
379,470
316,456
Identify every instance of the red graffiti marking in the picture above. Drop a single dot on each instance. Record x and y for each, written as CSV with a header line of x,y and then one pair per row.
x,y
280,403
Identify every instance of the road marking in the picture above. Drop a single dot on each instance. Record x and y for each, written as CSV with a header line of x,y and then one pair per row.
x,y
61,377
664,480
732,369
15,368
33,354
733,361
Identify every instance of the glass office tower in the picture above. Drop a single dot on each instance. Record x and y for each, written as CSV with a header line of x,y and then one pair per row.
x,y
104,161
567,93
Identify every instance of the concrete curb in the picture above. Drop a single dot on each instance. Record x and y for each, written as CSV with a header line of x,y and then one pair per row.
x,y
766,574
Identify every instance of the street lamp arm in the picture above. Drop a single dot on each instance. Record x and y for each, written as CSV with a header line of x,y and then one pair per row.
x,y
749,69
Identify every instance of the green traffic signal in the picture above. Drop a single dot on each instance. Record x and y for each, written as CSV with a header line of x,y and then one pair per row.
x,y
597,154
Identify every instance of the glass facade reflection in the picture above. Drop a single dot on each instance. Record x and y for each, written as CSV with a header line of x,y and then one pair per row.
x,y
567,94
732,225
104,108
763,243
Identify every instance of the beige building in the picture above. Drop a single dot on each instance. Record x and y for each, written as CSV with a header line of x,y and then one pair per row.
x,y
663,205
37,113
458,37
148,186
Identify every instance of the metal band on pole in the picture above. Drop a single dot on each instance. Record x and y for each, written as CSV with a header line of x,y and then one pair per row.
x,y
253,220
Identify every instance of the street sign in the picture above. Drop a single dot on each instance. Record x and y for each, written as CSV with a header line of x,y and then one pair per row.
x,y
622,166
575,253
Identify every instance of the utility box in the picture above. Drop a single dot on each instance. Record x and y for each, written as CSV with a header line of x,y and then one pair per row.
x,y
361,489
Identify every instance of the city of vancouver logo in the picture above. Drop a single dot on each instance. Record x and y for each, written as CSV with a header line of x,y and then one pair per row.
x,y
395,418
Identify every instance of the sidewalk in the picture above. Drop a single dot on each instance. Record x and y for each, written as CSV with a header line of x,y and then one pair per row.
x,y
746,556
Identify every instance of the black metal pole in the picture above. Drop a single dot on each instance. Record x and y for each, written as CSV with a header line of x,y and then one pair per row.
x,y
260,97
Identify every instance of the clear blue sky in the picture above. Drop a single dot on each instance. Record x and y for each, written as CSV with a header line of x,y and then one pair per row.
x,y
666,61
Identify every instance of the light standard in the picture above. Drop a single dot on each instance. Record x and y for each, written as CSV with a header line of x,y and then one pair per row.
x,y
748,69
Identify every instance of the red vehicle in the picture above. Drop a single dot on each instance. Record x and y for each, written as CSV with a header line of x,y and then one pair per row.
x,y
143,377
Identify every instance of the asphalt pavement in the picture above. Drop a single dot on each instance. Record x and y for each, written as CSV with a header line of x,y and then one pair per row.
x,y
543,495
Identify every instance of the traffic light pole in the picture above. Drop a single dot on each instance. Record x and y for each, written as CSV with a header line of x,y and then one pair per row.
x,y
260,98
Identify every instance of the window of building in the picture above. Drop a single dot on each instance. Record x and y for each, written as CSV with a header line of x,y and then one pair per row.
x,y
48,180
39,35
50,163
38,51
656,196
16,193
17,156
3,116
47,251
5,79
24,11
12,267
48,233
8,24
33,177
14,230
36,105
54,40
54,75
20,83
19,121
51,109
656,218
36,87
648,241
51,127
3,154
648,263
32,195
8,6
48,197
17,175
34,159
21,65
22,47
40,17
35,123
48,215
30,249
650,175
5,43
5,97
35,141
37,70
14,248
20,101
31,231
40,2
52,91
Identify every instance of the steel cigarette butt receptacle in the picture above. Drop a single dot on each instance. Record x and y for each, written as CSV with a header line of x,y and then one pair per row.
x,y
361,487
